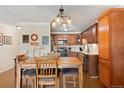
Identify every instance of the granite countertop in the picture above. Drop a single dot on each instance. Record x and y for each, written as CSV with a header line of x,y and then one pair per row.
x,y
89,53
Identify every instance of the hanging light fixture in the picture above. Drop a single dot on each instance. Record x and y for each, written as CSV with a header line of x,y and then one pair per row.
x,y
61,19
18,27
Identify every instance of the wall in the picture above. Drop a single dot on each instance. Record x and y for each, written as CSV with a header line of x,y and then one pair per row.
x,y
41,29
8,52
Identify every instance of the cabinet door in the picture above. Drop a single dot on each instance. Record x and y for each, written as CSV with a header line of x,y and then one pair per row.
x,y
85,34
94,34
118,48
103,38
89,35
78,39
104,75
72,54
93,65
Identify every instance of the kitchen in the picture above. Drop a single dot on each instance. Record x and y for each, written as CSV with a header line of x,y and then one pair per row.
x,y
99,47
97,44
82,45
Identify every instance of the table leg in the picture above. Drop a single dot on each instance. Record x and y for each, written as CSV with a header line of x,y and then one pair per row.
x,y
18,77
80,76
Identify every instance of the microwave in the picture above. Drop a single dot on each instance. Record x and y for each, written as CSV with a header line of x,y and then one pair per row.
x,y
62,42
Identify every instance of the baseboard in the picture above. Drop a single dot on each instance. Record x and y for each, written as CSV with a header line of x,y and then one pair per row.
x,y
7,68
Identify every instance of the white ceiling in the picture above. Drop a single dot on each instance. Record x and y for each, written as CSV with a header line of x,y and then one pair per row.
x,y
82,15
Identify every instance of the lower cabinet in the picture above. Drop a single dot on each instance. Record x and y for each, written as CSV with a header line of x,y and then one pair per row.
x,y
93,66
90,65
72,54
105,75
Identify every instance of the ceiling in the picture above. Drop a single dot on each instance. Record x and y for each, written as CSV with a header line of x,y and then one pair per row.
x,y
82,15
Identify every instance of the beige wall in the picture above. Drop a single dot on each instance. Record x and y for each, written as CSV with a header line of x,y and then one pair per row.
x,y
8,52
41,29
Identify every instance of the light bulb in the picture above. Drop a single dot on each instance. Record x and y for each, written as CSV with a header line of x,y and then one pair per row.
x,y
57,20
69,21
53,24
63,25
18,27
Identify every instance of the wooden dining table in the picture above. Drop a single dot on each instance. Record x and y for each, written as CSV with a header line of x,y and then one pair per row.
x,y
63,62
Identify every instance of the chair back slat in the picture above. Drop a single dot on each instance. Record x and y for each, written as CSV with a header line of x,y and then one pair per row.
x,y
46,68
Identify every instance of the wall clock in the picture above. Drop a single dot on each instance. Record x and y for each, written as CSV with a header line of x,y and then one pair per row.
x,y
34,37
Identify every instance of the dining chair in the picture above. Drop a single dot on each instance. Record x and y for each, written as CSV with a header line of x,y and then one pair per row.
x,y
28,74
55,56
46,73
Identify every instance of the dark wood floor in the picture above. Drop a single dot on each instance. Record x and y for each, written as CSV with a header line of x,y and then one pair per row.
x,y
7,80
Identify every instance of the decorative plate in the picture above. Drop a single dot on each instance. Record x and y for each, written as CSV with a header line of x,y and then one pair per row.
x,y
34,37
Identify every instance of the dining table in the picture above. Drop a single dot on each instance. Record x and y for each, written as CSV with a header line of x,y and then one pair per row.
x,y
63,62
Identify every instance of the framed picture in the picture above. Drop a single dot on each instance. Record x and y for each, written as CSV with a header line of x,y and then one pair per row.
x,y
7,40
1,39
45,40
25,38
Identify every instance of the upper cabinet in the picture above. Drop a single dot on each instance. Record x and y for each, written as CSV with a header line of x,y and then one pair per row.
x,y
70,38
94,33
90,34
103,35
78,39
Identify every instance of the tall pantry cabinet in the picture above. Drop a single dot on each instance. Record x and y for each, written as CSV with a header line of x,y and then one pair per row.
x,y
111,47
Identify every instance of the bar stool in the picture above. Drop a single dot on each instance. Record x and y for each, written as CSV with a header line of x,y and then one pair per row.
x,y
70,78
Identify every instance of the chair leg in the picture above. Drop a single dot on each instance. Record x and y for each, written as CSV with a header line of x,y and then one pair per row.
x,y
37,83
63,81
33,82
41,85
58,82
74,82
26,82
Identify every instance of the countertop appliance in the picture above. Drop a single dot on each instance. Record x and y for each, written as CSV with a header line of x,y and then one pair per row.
x,y
63,51
61,42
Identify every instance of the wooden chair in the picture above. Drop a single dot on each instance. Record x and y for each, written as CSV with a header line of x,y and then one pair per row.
x,y
53,57
46,73
26,73
21,57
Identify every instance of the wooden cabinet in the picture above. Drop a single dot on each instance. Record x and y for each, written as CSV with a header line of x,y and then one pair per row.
x,y
93,65
78,39
104,53
90,34
94,33
72,54
103,35
90,65
105,72
105,75
71,38
111,47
